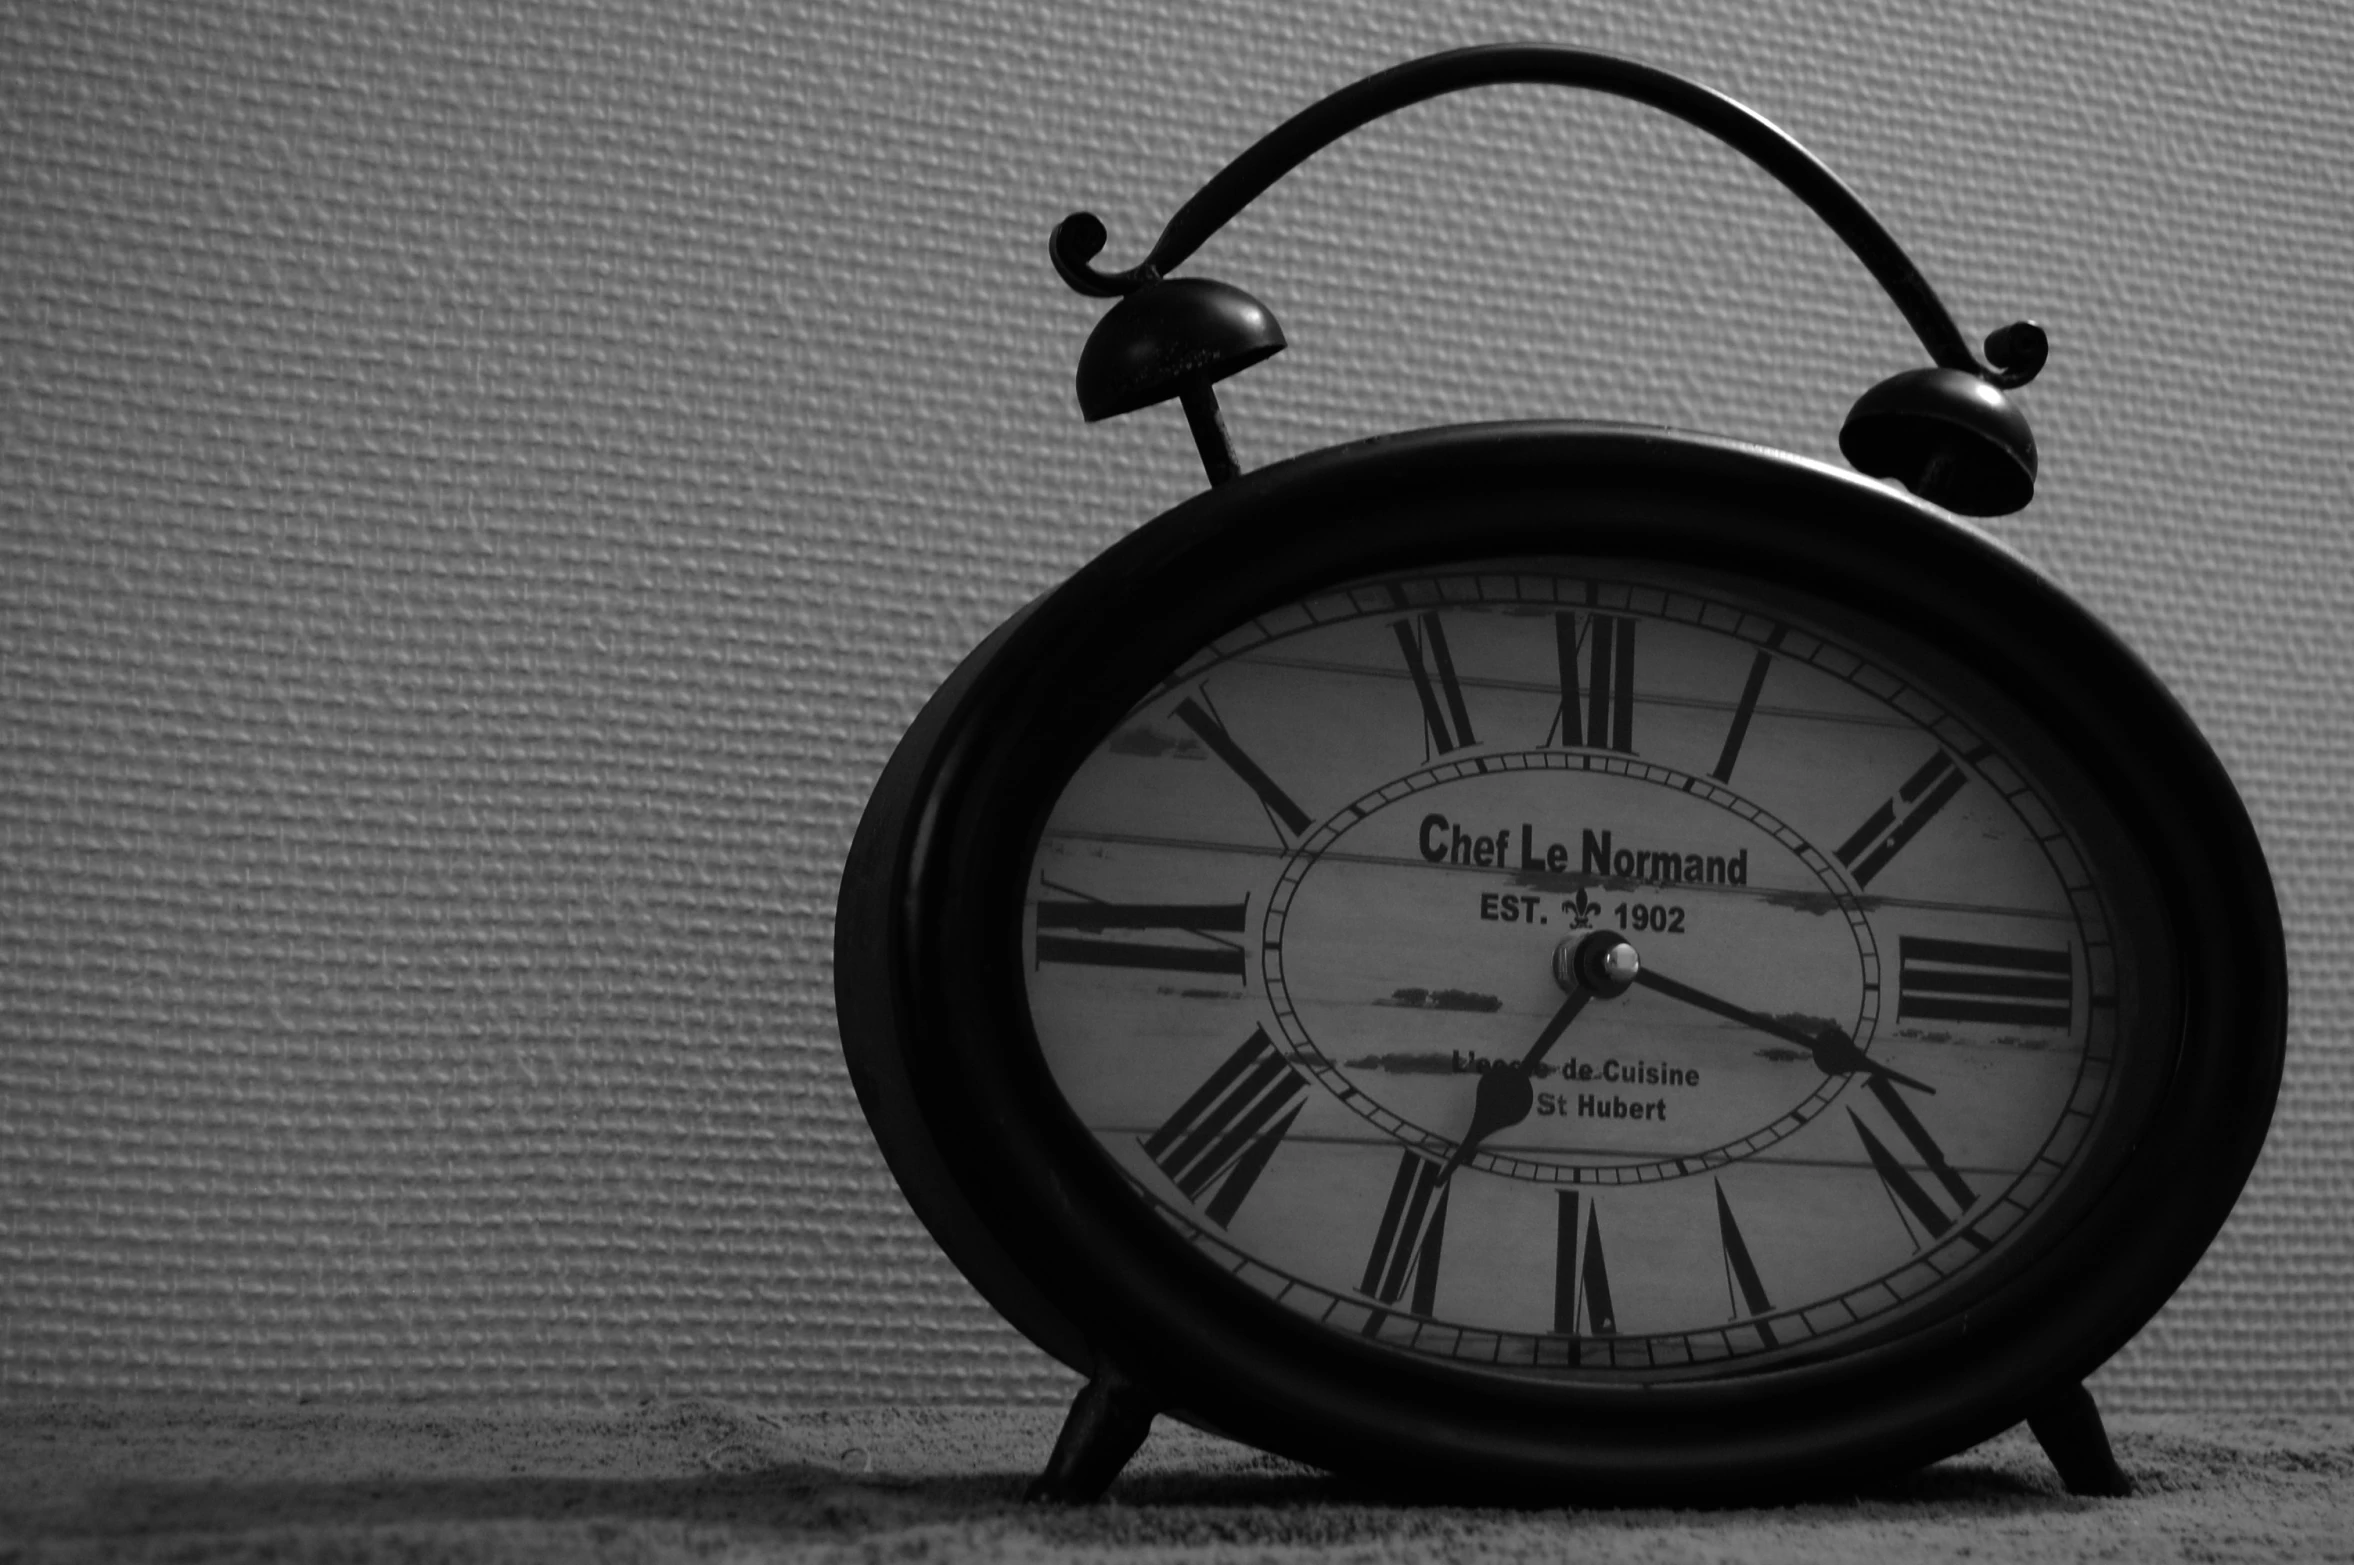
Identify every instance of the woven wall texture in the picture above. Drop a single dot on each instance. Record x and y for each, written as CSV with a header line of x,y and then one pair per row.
x,y
485,486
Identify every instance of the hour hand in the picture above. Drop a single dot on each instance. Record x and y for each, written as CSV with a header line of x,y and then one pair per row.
x,y
1505,1092
1505,1097
1833,1052
1599,964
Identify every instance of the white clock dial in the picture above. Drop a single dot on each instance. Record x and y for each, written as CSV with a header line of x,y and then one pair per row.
x,y
1586,969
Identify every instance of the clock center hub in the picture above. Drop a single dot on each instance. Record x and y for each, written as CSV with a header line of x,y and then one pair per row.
x,y
1603,964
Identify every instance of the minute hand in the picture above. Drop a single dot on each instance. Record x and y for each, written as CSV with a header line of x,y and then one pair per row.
x,y
1834,1053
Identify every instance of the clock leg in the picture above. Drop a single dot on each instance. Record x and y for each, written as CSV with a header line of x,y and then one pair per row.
x,y
2069,1425
1105,1426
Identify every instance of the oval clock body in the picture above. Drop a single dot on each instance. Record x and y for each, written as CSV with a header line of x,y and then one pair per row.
x,y
1561,959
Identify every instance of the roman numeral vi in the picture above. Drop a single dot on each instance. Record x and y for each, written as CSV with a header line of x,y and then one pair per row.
x,y
1581,1277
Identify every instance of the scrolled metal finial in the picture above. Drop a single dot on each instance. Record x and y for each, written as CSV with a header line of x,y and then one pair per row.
x,y
1078,239
2017,353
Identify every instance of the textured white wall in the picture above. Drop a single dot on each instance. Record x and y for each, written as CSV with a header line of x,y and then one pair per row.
x,y
484,487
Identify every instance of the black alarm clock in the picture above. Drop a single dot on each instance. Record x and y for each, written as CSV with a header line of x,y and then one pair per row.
x,y
1564,961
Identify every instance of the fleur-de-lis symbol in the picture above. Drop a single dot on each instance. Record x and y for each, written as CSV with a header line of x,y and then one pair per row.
x,y
1584,907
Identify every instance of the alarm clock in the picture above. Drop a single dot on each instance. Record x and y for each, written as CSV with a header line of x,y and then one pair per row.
x,y
1560,961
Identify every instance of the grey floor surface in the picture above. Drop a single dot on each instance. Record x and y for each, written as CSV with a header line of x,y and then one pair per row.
x,y
663,1481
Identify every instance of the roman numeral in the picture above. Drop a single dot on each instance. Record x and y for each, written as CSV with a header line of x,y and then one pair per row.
x,y
1610,688
1903,1189
1450,729
1581,1278
1406,1248
1965,981
1213,733
1740,1270
1924,1145
1747,708
1205,919
1897,821
1224,1134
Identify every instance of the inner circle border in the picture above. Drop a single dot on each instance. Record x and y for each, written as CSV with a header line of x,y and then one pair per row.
x,y
1303,1048
1990,1226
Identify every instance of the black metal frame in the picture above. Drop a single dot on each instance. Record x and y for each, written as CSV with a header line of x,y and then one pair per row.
x,y
2017,350
930,976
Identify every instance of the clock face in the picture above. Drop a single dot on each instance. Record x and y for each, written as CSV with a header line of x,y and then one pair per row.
x,y
1592,970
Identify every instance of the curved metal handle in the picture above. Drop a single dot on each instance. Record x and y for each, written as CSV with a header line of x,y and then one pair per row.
x,y
2018,350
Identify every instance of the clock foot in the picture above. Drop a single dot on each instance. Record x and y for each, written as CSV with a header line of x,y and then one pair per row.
x,y
2069,1425
1105,1426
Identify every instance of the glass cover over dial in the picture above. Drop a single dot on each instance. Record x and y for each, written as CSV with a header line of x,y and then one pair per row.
x,y
1591,969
